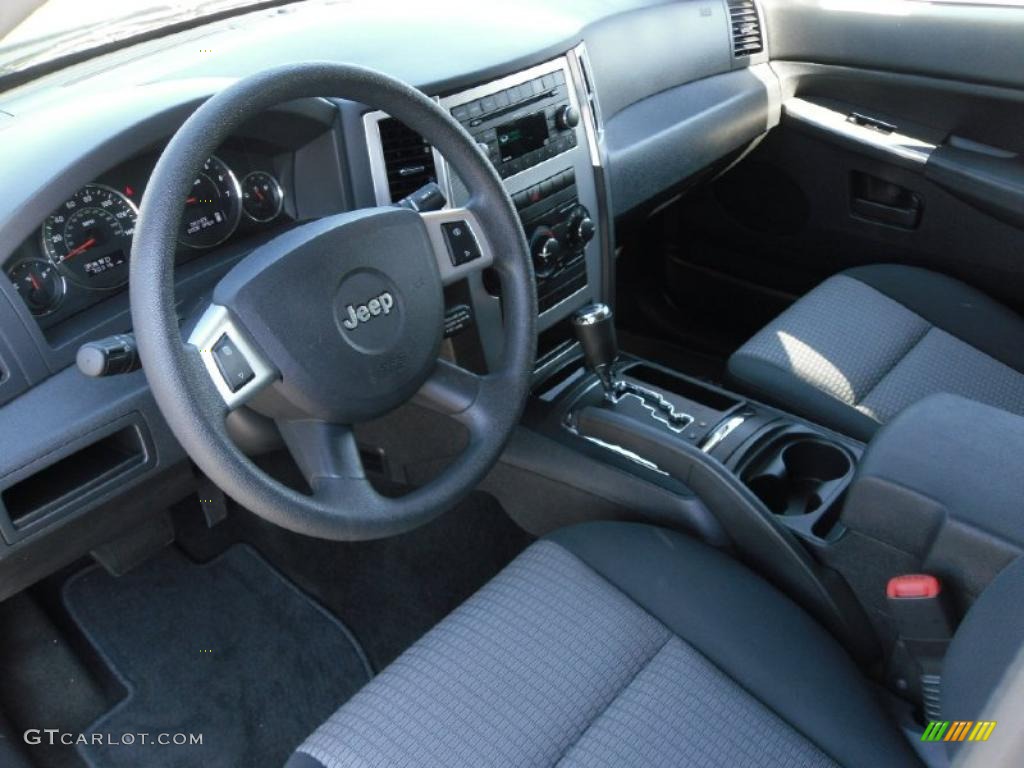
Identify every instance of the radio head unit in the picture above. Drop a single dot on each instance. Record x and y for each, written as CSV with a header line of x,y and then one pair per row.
x,y
522,125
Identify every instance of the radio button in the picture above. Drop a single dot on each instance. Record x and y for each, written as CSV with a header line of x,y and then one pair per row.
x,y
567,117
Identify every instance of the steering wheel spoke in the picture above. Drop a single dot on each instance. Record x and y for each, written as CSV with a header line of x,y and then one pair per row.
x,y
456,392
328,457
459,243
238,371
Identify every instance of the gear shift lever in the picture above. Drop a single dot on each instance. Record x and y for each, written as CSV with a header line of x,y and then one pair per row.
x,y
595,328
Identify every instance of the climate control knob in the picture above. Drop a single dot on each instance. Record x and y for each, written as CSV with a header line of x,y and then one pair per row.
x,y
567,117
581,227
545,248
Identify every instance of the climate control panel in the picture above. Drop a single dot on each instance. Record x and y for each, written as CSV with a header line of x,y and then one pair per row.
x,y
558,228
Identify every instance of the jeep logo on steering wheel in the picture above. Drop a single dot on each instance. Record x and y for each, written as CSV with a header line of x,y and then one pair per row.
x,y
364,313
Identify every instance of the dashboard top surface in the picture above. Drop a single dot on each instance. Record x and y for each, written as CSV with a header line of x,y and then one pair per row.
x,y
434,46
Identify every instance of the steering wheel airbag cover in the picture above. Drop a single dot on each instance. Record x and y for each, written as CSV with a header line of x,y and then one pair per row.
x,y
349,307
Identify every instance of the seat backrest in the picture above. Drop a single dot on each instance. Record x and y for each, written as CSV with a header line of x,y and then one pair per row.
x,y
985,645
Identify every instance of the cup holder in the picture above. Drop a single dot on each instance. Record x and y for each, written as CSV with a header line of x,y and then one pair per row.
x,y
815,460
798,480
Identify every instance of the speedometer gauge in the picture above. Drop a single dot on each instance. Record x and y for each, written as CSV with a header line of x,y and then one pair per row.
x,y
90,236
213,207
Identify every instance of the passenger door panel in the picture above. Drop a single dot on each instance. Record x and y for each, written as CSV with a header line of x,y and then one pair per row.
x,y
938,92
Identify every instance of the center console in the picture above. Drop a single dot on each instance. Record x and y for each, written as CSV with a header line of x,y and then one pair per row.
x,y
797,471
773,484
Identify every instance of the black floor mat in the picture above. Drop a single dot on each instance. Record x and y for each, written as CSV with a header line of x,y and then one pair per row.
x,y
388,591
229,650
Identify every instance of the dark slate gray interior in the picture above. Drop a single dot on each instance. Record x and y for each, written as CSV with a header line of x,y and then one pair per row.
x,y
807,219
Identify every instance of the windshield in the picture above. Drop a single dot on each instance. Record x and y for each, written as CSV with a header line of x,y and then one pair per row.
x,y
34,32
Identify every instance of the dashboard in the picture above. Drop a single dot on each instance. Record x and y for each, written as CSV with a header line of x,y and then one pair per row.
x,y
79,256
591,112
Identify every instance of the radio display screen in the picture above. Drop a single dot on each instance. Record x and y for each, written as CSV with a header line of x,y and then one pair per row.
x,y
520,136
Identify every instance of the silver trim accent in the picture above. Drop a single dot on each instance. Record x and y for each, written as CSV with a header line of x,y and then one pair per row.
x,y
449,272
905,147
278,191
721,432
378,168
634,457
661,410
592,314
215,322
578,59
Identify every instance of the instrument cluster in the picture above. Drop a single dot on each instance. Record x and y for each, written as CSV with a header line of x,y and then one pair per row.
x,y
82,249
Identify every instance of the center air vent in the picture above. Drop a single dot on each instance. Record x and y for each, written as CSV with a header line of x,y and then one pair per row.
x,y
407,157
747,38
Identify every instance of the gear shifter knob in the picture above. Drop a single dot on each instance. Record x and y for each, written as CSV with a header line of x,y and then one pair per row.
x,y
595,328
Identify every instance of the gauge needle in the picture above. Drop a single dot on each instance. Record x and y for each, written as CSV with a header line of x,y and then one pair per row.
x,y
35,282
190,200
83,247
258,193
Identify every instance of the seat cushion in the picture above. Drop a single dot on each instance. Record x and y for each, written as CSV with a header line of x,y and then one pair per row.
x,y
868,342
616,644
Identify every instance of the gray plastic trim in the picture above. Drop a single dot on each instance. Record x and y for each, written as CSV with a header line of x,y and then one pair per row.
x,y
894,146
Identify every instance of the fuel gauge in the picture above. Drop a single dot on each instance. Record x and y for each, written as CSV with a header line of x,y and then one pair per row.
x,y
261,196
39,284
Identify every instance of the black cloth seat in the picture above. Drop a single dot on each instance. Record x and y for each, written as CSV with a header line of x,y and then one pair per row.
x,y
616,644
869,342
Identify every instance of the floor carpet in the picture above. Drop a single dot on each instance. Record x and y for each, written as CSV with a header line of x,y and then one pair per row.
x,y
230,650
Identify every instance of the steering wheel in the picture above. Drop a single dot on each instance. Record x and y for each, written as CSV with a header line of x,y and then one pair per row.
x,y
333,322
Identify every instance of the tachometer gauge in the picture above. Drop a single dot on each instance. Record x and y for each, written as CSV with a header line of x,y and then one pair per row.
x,y
213,207
39,284
90,236
261,196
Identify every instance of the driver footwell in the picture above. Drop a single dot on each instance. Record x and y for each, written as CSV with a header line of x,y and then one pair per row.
x,y
229,650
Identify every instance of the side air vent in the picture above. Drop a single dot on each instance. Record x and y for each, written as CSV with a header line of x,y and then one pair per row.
x,y
747,37
408,159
